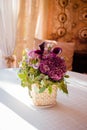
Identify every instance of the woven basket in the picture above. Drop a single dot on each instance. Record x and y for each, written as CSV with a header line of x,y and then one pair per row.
x,y
44,98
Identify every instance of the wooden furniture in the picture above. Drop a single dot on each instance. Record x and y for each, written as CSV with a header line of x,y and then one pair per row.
x,y
80,61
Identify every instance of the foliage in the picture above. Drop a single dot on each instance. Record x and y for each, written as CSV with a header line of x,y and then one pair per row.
x,y
44,68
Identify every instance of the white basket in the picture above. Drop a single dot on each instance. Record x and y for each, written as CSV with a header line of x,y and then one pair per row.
x,y
44,98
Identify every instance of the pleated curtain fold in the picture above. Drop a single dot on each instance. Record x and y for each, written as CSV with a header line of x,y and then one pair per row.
x,y
32,23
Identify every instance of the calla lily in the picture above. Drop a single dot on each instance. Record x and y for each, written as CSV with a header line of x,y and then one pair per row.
x,y
39,52
42,46
57,50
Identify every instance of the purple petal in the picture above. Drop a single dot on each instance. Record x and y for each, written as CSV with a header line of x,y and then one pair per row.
x,y
42,46
39,52
57,50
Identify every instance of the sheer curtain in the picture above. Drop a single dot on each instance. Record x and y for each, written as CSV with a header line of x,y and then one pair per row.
x,y
32,23
8,22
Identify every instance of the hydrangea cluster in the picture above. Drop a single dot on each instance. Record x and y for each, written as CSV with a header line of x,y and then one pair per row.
x,y
43,67
53,66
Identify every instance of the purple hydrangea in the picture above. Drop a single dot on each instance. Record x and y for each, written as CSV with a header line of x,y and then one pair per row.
x,y
32,54
33,59
53,66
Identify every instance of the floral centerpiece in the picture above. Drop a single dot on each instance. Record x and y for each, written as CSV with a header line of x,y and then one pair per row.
x,y
43,70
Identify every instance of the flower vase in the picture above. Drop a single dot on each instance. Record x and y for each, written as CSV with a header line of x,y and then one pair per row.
x,y
44,99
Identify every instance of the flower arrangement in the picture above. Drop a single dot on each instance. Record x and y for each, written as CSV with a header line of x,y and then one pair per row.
x,y
43,67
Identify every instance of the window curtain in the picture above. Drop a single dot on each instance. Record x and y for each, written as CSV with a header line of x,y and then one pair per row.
x,y
8,22
32,23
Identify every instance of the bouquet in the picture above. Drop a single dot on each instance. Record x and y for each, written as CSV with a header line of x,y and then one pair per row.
x,y
43,67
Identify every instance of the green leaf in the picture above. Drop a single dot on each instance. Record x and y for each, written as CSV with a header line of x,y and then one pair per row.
x,y
21,75
66,76
42,89
42,82
64,88
50,89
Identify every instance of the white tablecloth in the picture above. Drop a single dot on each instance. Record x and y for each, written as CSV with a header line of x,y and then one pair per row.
x,y
17,112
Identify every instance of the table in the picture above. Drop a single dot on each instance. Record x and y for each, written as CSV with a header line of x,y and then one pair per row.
x,y
16,112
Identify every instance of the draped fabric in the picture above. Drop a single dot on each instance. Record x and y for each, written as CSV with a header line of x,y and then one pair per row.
x,y
8,22
32,23
21,22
